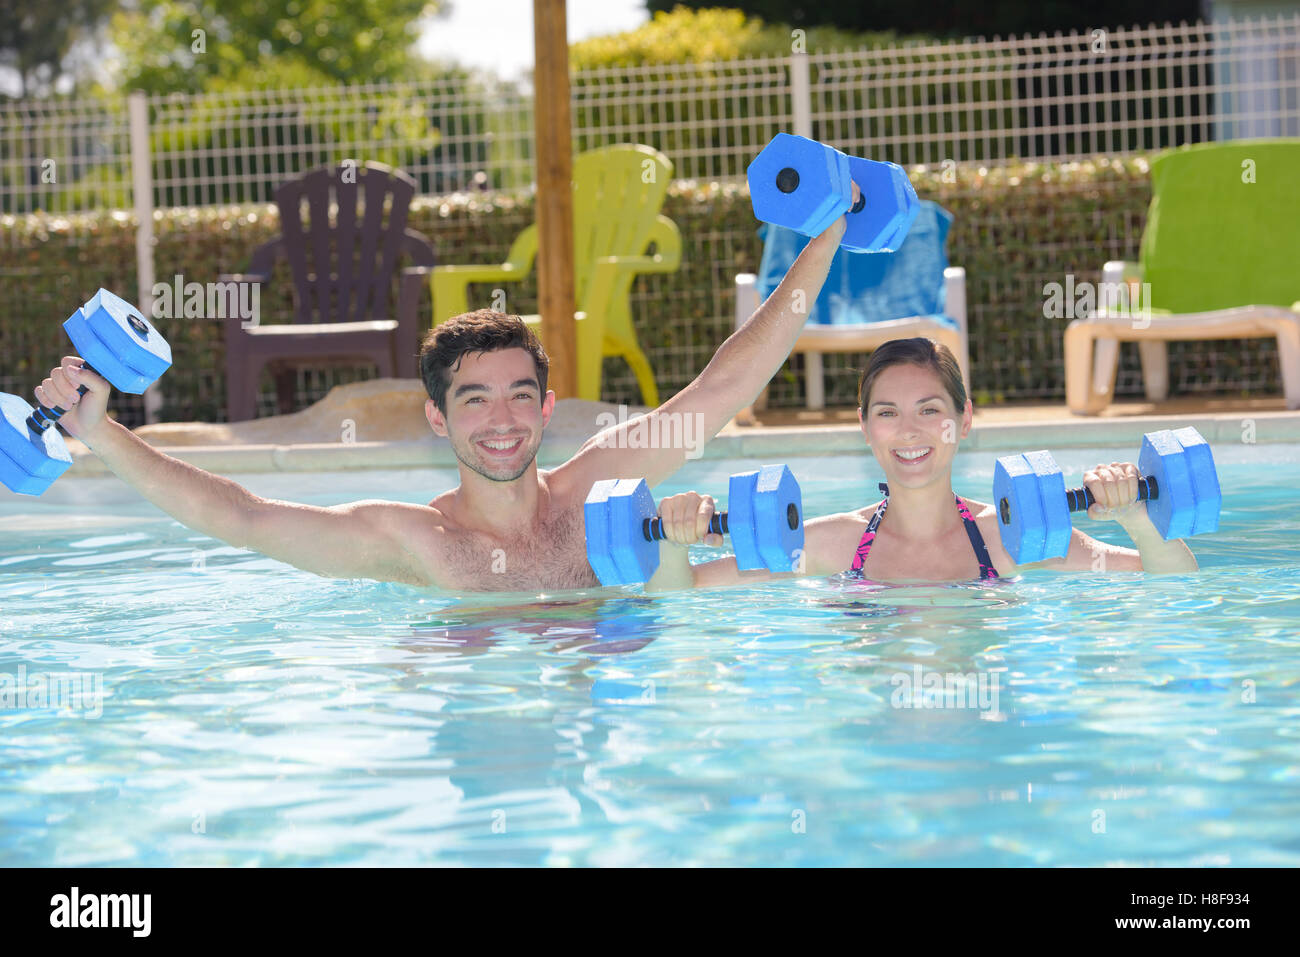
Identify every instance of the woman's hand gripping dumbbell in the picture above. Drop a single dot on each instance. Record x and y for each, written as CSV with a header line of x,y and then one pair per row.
x,y
688,518
1174,484
764,520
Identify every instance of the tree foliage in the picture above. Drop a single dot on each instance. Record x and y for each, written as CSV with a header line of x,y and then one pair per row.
x,y
35,37
955,18
703,35
189,46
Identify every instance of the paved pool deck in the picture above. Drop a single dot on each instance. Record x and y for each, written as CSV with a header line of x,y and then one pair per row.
x,y
335,434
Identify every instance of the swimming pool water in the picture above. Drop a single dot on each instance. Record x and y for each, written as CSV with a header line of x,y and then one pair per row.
x,y
255,714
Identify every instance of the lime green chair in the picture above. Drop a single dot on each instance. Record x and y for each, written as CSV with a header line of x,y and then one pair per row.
x,y
617,194
1220,257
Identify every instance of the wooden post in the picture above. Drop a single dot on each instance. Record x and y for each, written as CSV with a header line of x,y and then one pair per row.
x,y
554,138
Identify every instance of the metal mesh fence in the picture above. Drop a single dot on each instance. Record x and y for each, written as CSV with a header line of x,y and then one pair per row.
x,y
1128,90
63,156
966,105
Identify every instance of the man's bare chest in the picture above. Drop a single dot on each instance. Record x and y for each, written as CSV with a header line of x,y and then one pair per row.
x,y
551,555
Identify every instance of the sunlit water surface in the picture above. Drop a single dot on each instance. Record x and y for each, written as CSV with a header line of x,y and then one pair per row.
x,y
255,714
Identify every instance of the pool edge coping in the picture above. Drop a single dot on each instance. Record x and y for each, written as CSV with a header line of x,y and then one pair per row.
x,y
737,443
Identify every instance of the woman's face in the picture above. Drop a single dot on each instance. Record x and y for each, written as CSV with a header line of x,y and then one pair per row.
x,y
912,426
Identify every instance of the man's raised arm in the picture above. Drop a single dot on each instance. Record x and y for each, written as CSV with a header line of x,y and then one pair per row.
x,y
358,540
743,365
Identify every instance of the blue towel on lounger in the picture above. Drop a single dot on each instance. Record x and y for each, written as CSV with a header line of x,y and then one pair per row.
x,y
863,288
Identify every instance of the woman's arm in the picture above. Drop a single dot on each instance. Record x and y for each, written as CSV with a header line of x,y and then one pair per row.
x,y
685,519
676,573
1114,490
1154,553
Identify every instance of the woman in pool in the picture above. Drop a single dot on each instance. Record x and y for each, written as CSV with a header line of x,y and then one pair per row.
x,y
913,410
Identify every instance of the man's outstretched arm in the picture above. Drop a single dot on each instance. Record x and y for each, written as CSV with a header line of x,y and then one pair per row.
x,y
733,379
358,540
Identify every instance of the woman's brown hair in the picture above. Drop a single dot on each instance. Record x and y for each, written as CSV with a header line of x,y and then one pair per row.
x,y
919,351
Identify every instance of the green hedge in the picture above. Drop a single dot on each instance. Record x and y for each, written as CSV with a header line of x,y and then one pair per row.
x,y
717,34
1015,229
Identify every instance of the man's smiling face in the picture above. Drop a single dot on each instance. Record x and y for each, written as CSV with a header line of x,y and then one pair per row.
x,y
495,413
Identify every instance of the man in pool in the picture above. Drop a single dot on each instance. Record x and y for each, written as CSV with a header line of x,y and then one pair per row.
x,y
507,526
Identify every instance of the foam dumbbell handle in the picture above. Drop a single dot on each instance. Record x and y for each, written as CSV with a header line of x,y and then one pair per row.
x,y
1080,499
653,528
43,418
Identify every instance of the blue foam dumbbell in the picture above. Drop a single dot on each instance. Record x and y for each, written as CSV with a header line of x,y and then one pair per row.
x,y
114,340
765,522
805,185
1178,481
1180,461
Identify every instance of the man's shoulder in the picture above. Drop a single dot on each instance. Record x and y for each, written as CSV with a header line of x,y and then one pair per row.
x,y
422,533
562,484
399,519
384,506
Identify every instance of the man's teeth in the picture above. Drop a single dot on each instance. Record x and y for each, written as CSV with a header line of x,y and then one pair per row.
x,y
911,453
501,446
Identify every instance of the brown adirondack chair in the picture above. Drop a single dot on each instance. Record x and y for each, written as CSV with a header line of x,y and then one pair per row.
x,y
342,261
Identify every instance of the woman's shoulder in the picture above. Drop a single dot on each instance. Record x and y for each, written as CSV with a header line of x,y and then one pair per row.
x,y
979,510
831,540
986,519
842,521
985,515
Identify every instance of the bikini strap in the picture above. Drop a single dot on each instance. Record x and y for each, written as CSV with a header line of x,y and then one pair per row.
x,y
868,536
976,540
987,571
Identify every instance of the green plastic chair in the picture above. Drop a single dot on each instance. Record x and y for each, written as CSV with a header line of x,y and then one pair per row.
x,y
617,194
1221,252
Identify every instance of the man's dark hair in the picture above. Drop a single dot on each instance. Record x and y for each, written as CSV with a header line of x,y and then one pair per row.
x,y
480,331
919,351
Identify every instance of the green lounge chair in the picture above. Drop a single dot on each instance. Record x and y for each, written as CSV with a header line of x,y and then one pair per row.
x,y
617,194
1221,255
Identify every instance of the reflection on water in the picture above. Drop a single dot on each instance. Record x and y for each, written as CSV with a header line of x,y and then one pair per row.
x,y
310,721
601,625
